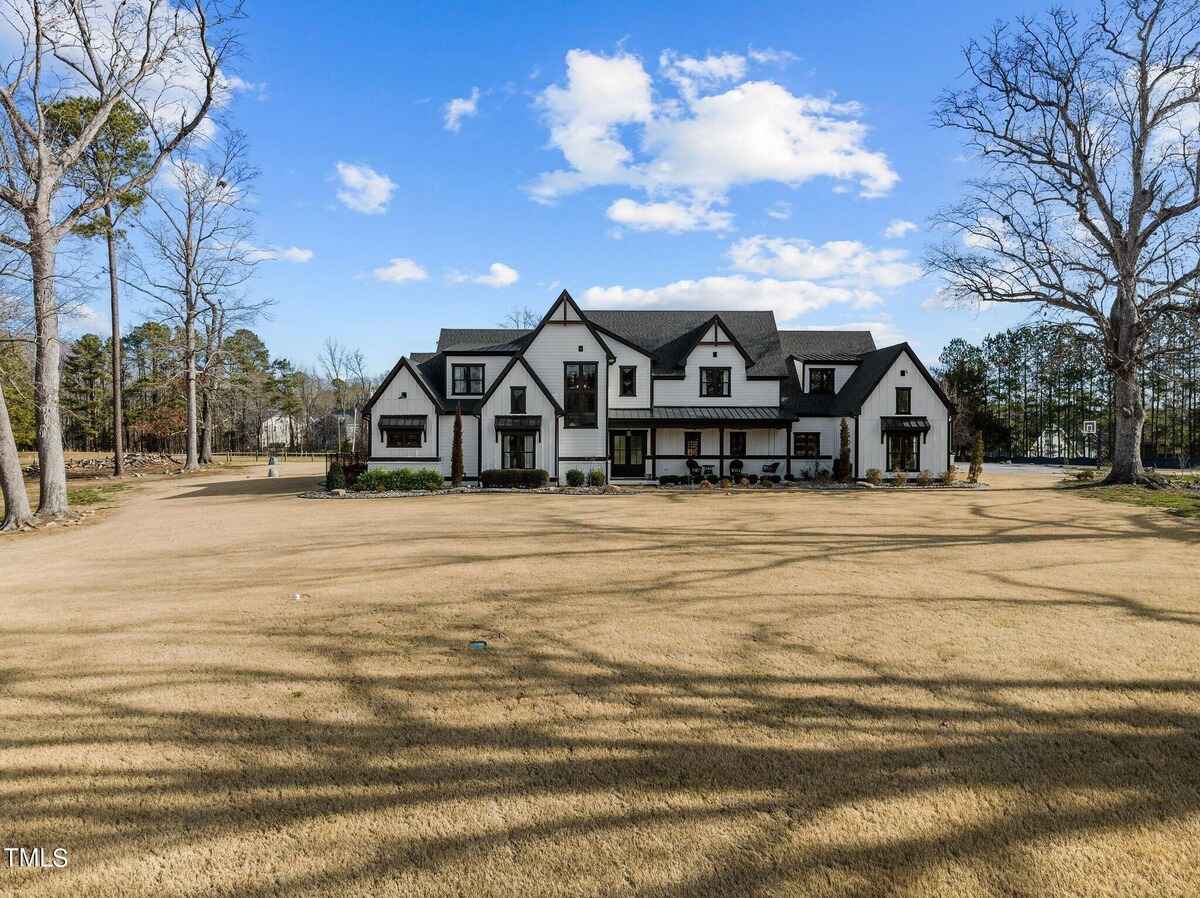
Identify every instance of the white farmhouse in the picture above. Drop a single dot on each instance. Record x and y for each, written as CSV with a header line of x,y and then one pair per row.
x,y
641,394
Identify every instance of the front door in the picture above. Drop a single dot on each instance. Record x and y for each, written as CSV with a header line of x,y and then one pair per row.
x,y
628,449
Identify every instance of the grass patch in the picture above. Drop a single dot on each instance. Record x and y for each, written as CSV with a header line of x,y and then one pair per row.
x,y
94,495
1181,503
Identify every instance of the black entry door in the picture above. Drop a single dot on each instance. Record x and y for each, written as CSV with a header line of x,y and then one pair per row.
x,y
628,448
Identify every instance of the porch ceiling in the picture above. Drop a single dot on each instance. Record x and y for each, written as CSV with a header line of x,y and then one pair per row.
x,y
692,415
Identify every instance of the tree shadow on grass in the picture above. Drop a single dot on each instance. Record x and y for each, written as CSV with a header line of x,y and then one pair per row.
x,y
553,755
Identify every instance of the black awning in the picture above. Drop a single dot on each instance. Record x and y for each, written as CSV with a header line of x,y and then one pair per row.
x,y
904,424
699,415
402,422
518,422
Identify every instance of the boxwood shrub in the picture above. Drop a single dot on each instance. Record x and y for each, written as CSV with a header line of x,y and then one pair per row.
x,y
519,478
574,477
670,480
382,480
595,477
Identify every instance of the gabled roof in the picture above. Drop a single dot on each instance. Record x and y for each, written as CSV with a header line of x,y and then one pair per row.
x,y
520,360
669,336
565,297
396,369
822,346
866,377
475,339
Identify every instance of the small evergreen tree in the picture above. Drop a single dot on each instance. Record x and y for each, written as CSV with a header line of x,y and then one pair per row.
x,y
976,459
456,454
336,478
841,467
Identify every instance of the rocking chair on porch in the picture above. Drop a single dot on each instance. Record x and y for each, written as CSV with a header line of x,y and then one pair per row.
x,y
735,469
694,473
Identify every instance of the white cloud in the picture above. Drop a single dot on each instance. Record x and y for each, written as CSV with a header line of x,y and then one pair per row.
x,y
696,146
83,319
460,108
398,271
668,216
780,210
364,189
787,299
842,262
898,227
499,275
943,300
769,56
278,254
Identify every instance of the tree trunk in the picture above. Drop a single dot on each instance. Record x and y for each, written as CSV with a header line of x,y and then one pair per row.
x,y
118,423
52,501
16,500
192,461
1130,412
206,443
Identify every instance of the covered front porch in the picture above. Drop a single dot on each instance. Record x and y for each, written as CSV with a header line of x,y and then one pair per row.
x,y
645,444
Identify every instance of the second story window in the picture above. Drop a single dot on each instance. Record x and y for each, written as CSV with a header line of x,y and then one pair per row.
x,y
628,380
714,382
903,400
517,400
467,380
579,394
820,380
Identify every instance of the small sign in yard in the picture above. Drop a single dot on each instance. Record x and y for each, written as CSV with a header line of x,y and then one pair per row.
x,y
1089,426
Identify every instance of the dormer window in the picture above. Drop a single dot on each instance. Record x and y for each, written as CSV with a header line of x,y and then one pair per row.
x,y
820,380
467,380
714,382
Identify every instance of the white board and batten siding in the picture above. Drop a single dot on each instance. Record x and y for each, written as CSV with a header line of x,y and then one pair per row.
x,y
830,430
536,403
404,396
841,374
492,366
560,342
742,391
882,402
628,356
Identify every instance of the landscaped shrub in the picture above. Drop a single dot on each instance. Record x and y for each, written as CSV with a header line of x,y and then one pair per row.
x,y
976,459
753,478
335,477
595,477
774,478
766,484
841,464
951,475
790,478
900,479
744,482
874,476
823,475
925,478
706,484
574,477
711,478
382,480
669,480
726,483
518,478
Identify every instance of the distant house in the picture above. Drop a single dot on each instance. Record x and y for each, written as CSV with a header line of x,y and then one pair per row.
x,y
277,432
640,394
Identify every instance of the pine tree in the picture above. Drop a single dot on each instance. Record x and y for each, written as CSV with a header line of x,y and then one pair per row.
x,y
976,459
456,452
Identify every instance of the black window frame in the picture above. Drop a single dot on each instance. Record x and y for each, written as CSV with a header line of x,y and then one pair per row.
x,y
814,452
741,436
726,382
631,370
454,369
528,450
514,407
893,451
906,407
831,373
407,432
687,438
575,419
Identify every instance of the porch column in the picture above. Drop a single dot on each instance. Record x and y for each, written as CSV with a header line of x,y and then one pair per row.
x,y
653,453
787,439
721,451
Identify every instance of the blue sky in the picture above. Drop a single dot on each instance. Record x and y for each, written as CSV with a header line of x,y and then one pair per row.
x,y
411,219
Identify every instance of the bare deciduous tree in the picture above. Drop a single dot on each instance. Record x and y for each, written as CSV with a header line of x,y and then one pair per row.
x,y
17,511
1090,205
520,317
198,239
164,59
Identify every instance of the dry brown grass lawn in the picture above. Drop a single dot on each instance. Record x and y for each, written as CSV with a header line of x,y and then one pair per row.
x,y
857,694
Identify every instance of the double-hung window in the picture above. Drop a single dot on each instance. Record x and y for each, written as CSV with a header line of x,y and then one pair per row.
x,y
403,439
628,382
903,400
806,445
579,394
714,382
517,400
467,380
820,380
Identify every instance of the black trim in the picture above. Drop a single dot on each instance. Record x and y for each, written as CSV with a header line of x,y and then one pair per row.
x,y
519,358
796,453
454,366
621,369
408,459
907,393
699,435
584,458
732,340
832,380
856,447
727,381
583,319
403,363
513,392
596,424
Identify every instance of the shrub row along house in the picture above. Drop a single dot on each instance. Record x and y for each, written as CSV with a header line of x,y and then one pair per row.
x,y
643,394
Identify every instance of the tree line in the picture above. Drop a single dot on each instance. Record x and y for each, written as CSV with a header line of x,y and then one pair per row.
x,y
1030,390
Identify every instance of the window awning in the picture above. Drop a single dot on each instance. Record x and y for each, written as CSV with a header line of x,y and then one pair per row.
x,y
518,422
903,424
402,422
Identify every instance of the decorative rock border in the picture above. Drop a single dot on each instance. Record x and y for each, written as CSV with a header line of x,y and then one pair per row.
x,y
615,490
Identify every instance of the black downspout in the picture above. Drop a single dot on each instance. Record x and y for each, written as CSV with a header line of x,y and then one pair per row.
x,y
479,446
856,475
